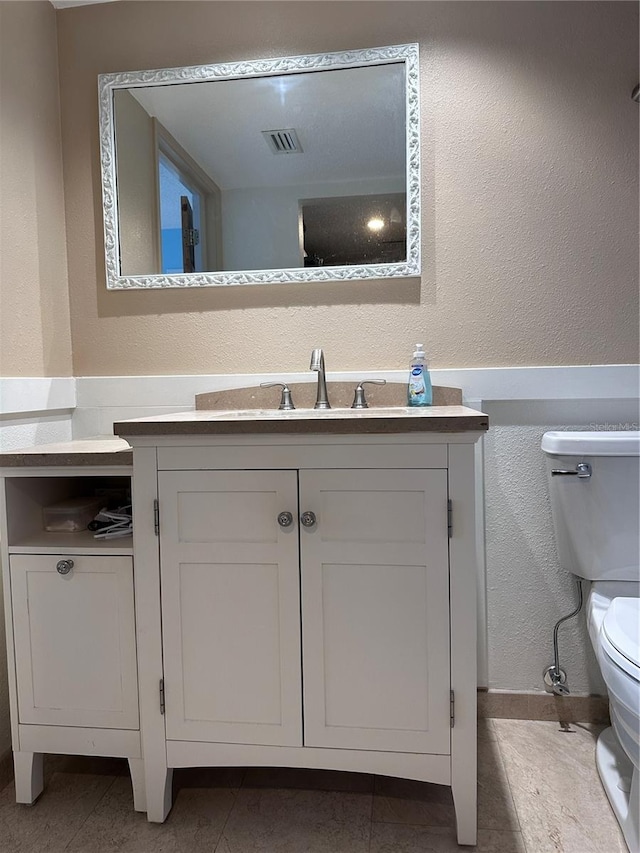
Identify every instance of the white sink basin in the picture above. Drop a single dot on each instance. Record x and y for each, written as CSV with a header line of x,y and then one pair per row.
x,y
312,414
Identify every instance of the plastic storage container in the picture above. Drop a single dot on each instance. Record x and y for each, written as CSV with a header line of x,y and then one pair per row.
x,y
70,515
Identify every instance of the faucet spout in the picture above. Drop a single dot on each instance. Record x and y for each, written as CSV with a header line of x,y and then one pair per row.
x,y
317,364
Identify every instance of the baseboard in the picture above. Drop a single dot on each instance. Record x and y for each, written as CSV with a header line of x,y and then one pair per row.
x,y
6,768
511,705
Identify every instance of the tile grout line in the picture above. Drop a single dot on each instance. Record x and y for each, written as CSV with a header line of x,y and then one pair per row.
x,y
100,799
236,791
373,794
508,778
426,827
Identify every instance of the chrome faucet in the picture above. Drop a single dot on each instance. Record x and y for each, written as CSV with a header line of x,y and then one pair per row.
x,y
317,363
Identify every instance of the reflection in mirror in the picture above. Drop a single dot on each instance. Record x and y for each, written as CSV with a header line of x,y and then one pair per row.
x,y
367,229
301,169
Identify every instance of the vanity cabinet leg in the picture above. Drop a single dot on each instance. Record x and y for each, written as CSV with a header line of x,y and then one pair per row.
x,y
136,769
464,790
29,778
159,794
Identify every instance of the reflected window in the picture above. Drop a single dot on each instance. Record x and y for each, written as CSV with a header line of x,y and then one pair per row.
x,y
188,210
180,214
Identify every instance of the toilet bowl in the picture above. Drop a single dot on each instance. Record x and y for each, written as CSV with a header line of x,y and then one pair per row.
x,y
613,615
594,484
620,668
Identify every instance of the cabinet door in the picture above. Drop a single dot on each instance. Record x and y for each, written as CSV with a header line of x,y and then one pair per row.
x,y
231,606
75,641
375,610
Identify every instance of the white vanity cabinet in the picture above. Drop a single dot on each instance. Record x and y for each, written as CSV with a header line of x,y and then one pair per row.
x,y
372,628
70,627
307,601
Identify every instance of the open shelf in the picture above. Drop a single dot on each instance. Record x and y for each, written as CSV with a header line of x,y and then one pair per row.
x,y
26,498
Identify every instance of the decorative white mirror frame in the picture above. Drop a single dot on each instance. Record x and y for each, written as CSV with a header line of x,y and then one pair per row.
x,y
108,83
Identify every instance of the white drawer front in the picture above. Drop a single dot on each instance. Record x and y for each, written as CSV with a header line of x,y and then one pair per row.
x,y
75,641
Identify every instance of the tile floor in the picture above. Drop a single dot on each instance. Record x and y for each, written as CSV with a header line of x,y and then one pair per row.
x,y
538,792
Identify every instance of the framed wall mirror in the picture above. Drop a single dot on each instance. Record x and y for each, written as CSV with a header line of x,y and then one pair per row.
x,y
302,169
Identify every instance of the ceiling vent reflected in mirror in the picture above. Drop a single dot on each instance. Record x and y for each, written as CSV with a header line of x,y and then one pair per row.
x,y
283,141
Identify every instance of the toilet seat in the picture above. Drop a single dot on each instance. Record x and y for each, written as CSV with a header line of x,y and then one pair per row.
x,y
620,635
618,652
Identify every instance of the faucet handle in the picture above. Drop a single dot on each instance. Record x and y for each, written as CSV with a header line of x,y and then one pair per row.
x,y
286,401
359,400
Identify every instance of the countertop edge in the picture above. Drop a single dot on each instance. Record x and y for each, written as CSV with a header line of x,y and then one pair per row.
x,y
379,426
86,459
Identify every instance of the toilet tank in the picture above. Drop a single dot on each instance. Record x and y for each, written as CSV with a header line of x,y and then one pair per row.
x,y
596,518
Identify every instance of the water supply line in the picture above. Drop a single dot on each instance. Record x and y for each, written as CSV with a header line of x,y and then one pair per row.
x,y
555,678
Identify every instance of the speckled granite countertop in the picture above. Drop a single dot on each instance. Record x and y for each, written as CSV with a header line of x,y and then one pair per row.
x,y
308,421
112,450
102,450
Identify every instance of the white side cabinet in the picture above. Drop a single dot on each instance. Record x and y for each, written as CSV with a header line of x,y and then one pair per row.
x,y
308,601
70,622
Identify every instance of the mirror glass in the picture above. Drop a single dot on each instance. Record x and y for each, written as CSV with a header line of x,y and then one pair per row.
x,y
287,170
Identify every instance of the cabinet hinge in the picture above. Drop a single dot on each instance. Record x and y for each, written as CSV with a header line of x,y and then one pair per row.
x,y
449,517
156,517
452,708
162,695
193,236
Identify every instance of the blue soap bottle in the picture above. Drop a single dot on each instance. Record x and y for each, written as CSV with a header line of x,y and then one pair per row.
x,y
419,390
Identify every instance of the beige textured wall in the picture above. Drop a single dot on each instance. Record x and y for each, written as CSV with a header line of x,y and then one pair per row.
x,y
530,191
35,335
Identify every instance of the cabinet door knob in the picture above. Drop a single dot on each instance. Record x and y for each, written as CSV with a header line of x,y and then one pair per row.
x,y
63,567
285,519
308,519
